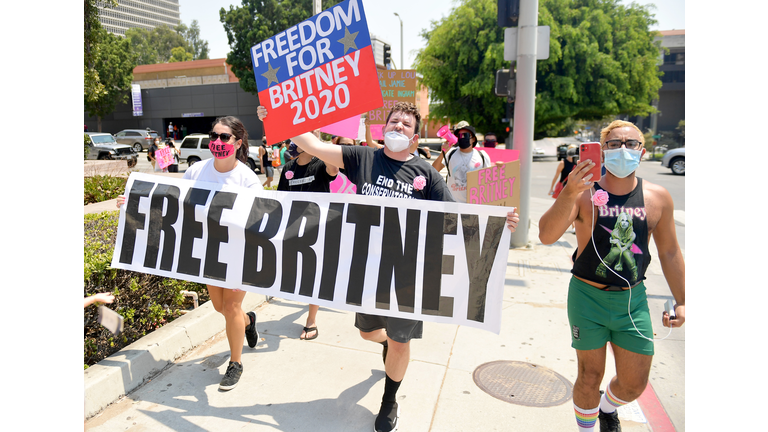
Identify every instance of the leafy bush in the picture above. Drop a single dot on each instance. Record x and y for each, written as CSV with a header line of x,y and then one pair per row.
x,y
85,146
145,301
102,187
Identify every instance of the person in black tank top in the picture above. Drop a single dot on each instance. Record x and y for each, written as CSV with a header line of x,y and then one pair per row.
x,y
614,220
306,173
564,167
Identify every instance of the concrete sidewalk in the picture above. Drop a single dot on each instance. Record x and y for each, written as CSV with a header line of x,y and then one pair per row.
x,y
335,382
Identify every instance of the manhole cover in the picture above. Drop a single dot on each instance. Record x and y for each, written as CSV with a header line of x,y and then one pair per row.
x,y
523,383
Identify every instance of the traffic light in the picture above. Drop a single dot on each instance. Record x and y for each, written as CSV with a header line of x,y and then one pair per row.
x,y
508,12
387,55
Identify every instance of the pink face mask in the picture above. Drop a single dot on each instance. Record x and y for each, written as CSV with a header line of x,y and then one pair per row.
x,y
221,150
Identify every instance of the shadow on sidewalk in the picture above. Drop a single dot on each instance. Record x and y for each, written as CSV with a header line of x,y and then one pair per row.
x,y
185,405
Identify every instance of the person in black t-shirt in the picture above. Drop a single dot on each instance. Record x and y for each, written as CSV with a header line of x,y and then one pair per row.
x,y
306,173
391,171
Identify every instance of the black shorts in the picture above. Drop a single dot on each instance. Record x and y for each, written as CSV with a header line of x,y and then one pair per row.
x,y
398,329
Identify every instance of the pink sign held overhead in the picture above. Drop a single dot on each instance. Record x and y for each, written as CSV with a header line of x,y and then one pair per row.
x,y
347,128
500,155
376,131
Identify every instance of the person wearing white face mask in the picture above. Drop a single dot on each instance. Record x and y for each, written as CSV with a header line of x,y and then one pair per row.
x,y
392,171
615,219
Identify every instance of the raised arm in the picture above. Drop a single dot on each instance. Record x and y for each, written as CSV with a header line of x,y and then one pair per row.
x,y
328,153
310,143
564,211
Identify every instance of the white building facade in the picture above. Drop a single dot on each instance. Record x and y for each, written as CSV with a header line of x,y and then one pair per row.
x,y
146,14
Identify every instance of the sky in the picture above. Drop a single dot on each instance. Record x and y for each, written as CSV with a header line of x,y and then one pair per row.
x,y
382,23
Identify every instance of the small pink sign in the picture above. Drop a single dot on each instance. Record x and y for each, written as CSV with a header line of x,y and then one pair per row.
x,y
164,157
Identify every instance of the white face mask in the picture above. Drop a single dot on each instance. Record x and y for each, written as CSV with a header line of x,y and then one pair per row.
x,y
396,142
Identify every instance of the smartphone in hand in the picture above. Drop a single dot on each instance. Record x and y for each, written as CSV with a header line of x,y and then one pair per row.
x,y
593,152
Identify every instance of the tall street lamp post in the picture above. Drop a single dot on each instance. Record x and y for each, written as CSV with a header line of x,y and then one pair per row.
x,y
402,65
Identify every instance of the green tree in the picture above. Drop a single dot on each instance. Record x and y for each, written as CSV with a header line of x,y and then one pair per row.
x,y
92,86
255,21
602,62
114,64
156,45
179,55
199,46
459,65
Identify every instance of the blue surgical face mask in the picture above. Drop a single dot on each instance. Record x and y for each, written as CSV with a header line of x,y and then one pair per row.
x,y
622,162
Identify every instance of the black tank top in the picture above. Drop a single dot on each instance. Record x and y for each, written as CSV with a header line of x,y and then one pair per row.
x,y
567,168
265,162
621,237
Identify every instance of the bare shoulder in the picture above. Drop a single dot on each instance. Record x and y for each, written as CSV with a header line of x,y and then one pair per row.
x,y
656,195
584,206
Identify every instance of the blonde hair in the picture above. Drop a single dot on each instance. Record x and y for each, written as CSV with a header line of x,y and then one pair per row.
x,y
618,124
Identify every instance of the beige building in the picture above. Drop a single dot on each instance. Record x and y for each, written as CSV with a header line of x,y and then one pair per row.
x,y
146,14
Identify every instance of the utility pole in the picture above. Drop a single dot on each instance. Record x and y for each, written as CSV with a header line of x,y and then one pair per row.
x,y
525,94
402,65
318,7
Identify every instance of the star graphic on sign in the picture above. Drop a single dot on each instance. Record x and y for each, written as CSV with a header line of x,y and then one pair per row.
x,y
271,74
348,40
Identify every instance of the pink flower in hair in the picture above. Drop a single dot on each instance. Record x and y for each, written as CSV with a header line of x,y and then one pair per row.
x,y
600,198
289,175
419,183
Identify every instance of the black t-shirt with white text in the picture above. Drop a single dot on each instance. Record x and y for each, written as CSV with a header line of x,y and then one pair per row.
x,y
312,177
376,174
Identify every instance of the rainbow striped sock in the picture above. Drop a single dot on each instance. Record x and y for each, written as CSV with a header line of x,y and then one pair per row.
x,y
609,402
586,419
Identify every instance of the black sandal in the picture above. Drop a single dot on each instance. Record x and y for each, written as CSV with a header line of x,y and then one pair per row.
x,y
311,329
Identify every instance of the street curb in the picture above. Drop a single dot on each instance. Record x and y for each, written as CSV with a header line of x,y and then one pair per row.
x,y
124,371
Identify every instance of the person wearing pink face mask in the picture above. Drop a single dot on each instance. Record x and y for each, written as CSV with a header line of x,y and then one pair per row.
x,y
229,146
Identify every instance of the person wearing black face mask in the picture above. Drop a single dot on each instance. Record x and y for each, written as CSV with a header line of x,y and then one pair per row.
x,y
490,140
462,159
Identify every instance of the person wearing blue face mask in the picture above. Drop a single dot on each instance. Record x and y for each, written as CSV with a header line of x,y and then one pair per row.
x,y
615,219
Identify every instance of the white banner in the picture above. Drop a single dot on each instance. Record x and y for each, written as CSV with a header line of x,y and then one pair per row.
x,y
425,260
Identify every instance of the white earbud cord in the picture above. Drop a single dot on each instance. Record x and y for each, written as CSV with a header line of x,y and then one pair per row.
x,y
629,302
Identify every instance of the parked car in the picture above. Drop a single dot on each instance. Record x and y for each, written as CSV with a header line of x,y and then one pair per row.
x,y
139,139
675,160
194,149
562,149
103,146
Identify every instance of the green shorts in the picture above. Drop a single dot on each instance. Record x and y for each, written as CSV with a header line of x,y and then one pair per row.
x,y
598,316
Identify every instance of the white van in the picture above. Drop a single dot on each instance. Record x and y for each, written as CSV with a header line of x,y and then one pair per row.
x,y
194,148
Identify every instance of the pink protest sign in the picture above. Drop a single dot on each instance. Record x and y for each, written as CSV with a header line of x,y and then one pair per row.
x,y
341,184
502,155
164,157
376,131
347,128
496,185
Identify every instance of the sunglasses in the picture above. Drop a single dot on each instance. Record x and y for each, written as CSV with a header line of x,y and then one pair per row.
x,y
617,143
224,136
